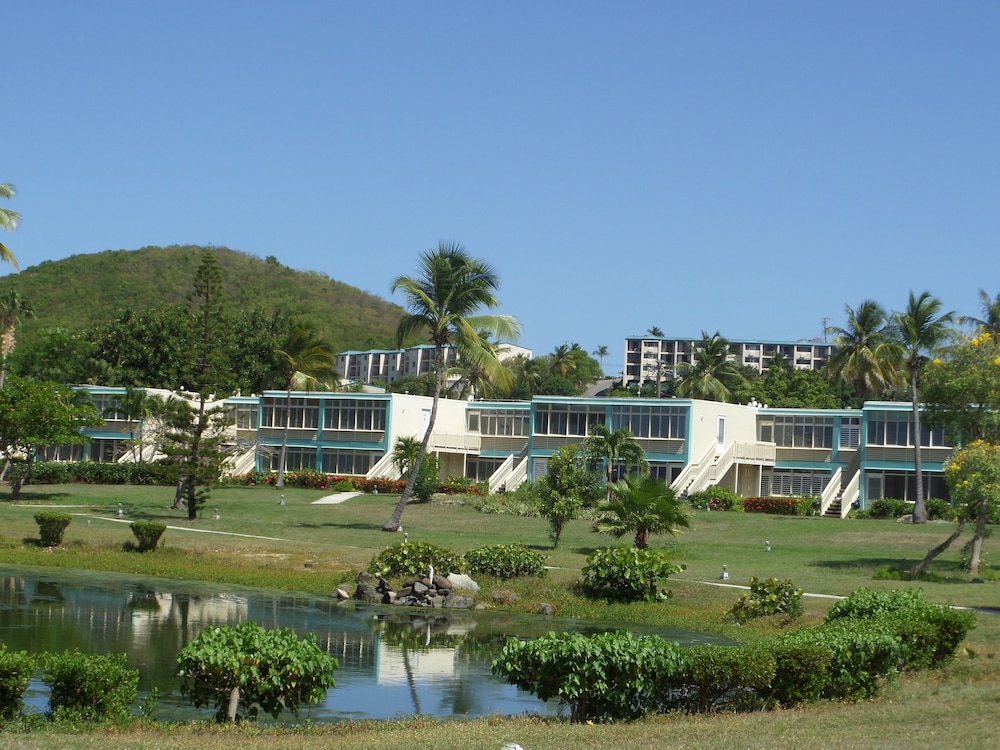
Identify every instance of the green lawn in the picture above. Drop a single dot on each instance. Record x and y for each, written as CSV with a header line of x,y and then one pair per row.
x,y
314,547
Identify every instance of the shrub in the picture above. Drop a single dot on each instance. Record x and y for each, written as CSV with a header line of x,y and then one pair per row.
x,y
627,574
604,677
16,668
344,485
379,486
413,559
247,667
427,478
716,498
505,561
147,534
768,597
525,501
51,526
780,506
720,678
87,687
51,472
889,507
801,673
939,510
865,603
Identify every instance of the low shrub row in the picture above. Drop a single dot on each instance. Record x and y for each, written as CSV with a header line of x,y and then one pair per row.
x,y
780,506
864,642
91,472
52,526
502,561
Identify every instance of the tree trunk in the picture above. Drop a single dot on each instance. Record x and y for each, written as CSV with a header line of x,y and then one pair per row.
x,y
397,514
280,483
234,704
919,506
919,569
977,541
641,538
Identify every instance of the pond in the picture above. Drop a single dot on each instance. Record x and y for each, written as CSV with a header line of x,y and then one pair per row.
x,y
393,660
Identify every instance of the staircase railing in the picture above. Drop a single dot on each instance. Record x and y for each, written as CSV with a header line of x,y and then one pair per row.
x,y
831,491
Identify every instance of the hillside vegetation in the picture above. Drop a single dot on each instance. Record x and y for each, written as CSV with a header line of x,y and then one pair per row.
x,y
88,290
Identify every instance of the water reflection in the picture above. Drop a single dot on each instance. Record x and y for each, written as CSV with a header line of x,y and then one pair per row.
x,y
392,660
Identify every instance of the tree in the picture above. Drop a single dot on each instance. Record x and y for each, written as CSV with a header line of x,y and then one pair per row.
x,y
443,300
601,352
713,376
990,322
973,476
562,362
867,357
606,447
568,486
8,220
654,331
12,307
961,390
307,361
250,668
404,454
35,414
920,328
137,406
642,505
478,376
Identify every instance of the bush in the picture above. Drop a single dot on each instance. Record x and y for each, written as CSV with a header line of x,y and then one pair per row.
x,y
85,687
605,677
525,501
379,486
716,498
780,506
427,478
505,561
16,668
344,485
720,678
865,603
51,526
627,574
147,534
801,673
271,670
939,510
768,597
414,559
889,507
51,472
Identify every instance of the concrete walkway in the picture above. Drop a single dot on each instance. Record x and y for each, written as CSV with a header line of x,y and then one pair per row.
x,y
336,499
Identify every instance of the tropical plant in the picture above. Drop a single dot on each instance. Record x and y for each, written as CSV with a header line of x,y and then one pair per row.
x,y
12,308
51,527
642,505
628,574
250,668
477,376
608,448
769,597
8,220
505,561
961,390
568,486
654,331
601,352
137,406
443,300
308,362
713,376
90,687
920,328
867,356
16,668
990,322
404,454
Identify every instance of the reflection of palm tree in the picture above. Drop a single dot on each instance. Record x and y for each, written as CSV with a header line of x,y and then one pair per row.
x,y
921,328
443,301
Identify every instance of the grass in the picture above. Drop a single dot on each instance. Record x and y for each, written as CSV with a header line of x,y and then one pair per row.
x,y
314,547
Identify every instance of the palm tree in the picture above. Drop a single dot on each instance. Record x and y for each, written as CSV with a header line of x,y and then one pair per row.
x,y
478,376
868,357
713,376
404,454
654,331
562,361
307,361
12,308
990,322
921,328
443,300
642,505
8,220
601,352
606,447
137,406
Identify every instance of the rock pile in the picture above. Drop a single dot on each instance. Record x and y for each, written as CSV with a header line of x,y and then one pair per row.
x,y
437,592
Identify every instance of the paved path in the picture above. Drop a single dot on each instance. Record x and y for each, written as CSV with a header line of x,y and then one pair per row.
x,y
335,499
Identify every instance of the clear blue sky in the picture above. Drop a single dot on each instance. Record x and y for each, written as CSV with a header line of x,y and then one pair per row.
x,y
734,166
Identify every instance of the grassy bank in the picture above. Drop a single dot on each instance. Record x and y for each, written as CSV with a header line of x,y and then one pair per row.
x,y
309,547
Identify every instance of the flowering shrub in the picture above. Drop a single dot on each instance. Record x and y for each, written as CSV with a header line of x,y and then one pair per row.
x,y
716,498
779,506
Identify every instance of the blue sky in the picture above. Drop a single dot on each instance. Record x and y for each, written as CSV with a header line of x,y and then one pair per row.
x,y
742,167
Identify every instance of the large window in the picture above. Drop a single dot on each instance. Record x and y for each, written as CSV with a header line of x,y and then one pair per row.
x,y
341,461
502,422
566,419
803,431
850,432
245,416
296,459
303,415
108,407
351,414
895,428
647,421
790,483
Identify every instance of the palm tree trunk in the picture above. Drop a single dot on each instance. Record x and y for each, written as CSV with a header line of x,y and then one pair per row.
x,y
919,506
280,483
397,514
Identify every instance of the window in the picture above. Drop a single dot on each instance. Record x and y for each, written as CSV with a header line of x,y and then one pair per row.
x,y
296,459
889,428
850,432
566,419
303,414
245,416
349,414
357,463
790,483
801,432
646,421
502,422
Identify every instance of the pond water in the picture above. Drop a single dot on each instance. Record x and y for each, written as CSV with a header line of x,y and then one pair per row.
x,y
393,660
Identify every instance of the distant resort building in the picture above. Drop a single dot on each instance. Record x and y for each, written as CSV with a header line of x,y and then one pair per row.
x,y
840,456
645,354
389,365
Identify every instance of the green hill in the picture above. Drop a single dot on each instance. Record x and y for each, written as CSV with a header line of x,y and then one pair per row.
x,y
86,290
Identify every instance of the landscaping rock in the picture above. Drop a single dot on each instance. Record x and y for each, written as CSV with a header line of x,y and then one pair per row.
x,y
463,582
458,601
